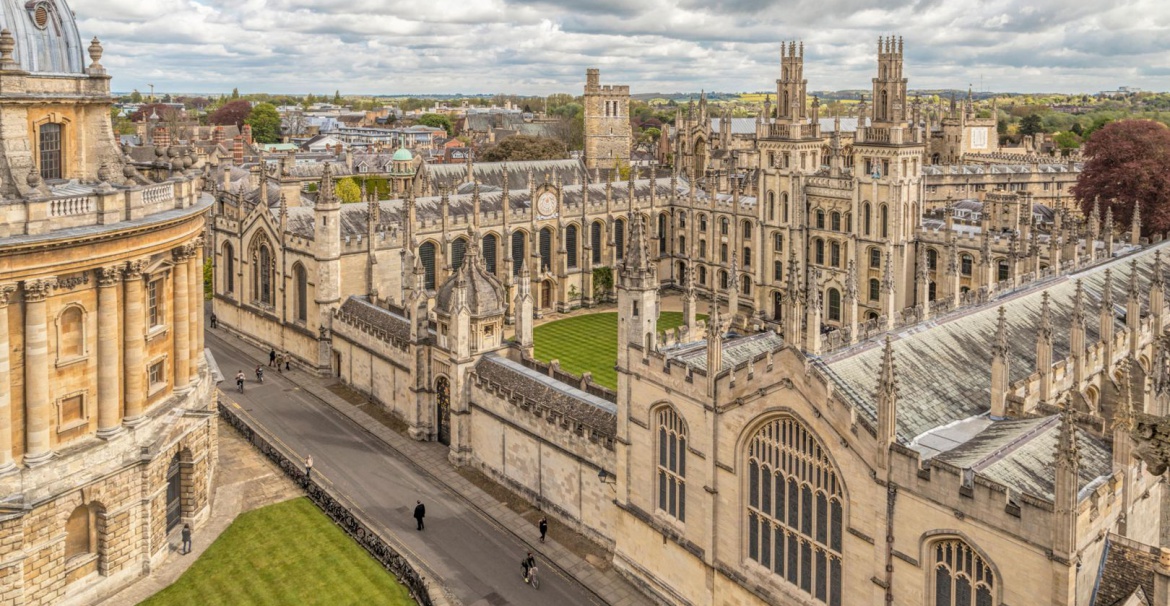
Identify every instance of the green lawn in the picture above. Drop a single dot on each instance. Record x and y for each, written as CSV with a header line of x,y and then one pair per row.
x,y
287,553
589,343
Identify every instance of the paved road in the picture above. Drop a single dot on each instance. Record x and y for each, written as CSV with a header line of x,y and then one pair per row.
x,y
476,559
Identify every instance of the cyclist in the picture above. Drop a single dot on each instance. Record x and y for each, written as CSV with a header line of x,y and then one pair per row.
x,y
259,373
240,381
529,564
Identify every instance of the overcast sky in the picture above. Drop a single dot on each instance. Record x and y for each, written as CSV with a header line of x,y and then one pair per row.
x,y
544,46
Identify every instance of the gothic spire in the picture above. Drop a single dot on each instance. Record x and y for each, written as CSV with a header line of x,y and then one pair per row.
x,y
1157,281
851,282
1078,310
1107,293
1046,329
1000,348
1068,449
325,189
637,257
1135,224
887,397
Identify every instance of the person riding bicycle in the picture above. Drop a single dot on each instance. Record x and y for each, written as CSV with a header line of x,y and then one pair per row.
x,y
259,373
240,380
528,563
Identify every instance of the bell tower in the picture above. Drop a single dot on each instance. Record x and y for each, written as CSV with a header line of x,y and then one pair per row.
x,y
791,87
889,87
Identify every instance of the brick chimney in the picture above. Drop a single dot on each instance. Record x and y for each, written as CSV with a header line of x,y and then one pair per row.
x,y
247,132
162,137
238,150
217,135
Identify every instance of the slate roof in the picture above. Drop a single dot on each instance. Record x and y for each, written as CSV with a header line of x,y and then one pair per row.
x,y
736,350
571,172
1128,568
997,169
382,319
576,405
1019,454
944,366
747,126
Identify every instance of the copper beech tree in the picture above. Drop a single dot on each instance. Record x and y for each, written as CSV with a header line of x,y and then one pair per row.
x,y
1127,165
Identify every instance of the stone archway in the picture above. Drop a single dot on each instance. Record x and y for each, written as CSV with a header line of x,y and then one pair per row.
x,y
174,494
546,294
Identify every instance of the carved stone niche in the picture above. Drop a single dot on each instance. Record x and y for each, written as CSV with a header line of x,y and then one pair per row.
x,y
1151,436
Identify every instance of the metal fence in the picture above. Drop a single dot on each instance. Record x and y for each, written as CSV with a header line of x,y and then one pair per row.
x,y
335,507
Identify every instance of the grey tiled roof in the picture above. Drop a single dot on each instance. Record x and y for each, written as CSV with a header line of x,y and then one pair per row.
x,y
736,350
571,172
599,415
375,317
944,366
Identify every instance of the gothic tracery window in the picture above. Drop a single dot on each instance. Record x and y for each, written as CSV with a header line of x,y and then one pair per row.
x,y
961,577
672,464
795,509
426,254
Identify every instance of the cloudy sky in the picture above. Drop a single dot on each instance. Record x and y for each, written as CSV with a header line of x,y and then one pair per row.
x,y
544,46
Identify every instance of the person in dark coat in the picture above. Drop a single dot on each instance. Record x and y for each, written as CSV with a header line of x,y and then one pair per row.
x,y
543,528
272,357
214,320
186,539
420,512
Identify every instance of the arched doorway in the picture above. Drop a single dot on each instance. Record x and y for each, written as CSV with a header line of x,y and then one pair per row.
x,y
443,410
546,294
174,494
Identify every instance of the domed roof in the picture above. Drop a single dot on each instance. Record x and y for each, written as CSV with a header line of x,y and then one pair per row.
x,y
45,31
402,155
485,295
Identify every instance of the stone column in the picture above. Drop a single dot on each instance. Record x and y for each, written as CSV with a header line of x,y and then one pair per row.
x,y
36,371
6,464
180,284
134,343
108,410
195,302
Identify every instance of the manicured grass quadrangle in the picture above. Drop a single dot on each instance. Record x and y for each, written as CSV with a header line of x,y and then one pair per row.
x,y
588,343
287,553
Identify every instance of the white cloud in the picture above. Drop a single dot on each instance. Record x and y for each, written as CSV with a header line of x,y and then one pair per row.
x,y
544,46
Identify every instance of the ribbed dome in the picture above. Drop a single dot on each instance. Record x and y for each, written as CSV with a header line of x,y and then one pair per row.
x,y
402,155
47,40
485,294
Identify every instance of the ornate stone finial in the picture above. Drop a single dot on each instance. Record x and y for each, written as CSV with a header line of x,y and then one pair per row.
x,y
1046,330
1067,448
851,281
1078,310
104,173
888,381
1132,287
1123,420
1107,293
7,48
1000,348
1157,281
95,53
34,177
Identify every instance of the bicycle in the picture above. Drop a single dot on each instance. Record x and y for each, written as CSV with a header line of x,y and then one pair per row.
x,y
532,580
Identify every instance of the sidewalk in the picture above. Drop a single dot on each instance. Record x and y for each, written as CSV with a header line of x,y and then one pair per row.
x,y
244,480
431,459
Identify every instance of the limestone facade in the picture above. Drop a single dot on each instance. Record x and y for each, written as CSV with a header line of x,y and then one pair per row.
x,y
106,407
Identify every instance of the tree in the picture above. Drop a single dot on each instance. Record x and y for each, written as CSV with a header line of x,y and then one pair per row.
x,y
348,191
1067,141
1031,125
524,147
265,123
437,121
337,97
232,113
235,93
1126,167
136,97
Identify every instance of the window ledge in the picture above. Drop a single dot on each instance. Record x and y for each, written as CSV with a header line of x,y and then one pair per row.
x,y
155,388
79,561
67,427
63,362
156,331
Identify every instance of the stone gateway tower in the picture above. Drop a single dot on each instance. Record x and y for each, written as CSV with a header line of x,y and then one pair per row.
x,y
607,123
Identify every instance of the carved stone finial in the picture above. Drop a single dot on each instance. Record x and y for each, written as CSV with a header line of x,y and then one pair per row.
x,y
34,177
95,53
7,48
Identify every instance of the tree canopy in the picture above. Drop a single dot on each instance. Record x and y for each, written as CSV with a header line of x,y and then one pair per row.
x,y
348,191
524,147
1126,167
1031,125
233,113
265,123
437,121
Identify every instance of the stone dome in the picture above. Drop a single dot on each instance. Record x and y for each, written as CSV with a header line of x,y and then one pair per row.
x,y
402,155
485,294
45,31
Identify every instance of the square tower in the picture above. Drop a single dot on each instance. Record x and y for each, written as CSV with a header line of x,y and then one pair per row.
x,y
607,123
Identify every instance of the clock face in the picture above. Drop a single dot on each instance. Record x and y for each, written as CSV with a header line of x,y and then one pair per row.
x,y
546,204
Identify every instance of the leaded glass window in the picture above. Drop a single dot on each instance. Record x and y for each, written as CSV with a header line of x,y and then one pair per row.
x,y
517,252
619,238
545,249
672,464
794,512
50,151
426,254
595,236
961,577
458,251
489,252
571,246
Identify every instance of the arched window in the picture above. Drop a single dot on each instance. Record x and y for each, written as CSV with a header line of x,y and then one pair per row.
x,y
875,258
78,533
778,242
619,238
834,305
301,288
795,509
672,464
784,205
703,223
931,259
702,275
771,205
682,219
518,259
723,279
930,290
747,256
819,248
702,249
571,246
263,275
884,219
835,254
723,253
746,284
1004,271
960,577
662,233
835,221
70,333
723,226
967,262
228,268
875,289
426,255
458,251
747,229
595,237
490,245
820,219
545,249
867,218
49,148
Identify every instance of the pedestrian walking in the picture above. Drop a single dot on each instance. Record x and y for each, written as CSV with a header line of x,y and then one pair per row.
x,y
272,357
214,320
543,528
280,363
309,467
420,512
186,539
287,361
